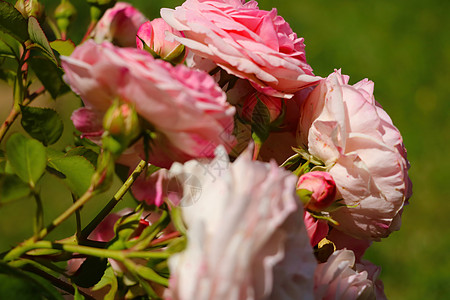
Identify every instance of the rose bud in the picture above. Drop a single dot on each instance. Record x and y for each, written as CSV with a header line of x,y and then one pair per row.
x,y
64,13
253,112
319,190
122,123
30,8
119,25
151,36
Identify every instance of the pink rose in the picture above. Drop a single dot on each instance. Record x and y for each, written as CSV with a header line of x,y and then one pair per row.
x,y
337,280
87,121
119,25
317,229
151,188
187,110
245,41
246,237
322,187
153,34
347,129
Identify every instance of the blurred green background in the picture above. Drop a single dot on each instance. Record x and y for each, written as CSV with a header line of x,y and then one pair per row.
x,y
404,47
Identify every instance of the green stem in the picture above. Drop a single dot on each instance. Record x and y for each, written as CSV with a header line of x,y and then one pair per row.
x,y
58,282
9,120
145,285
77,217
15,112
114,201
39,218
28,244
119,255
41,265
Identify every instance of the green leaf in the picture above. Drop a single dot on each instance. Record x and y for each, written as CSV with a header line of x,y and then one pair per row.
x,y
305,154
18,285
37,35
109,278
9,46
12,188
261,121
12,22
77,172
151,275
63,47
177,219
90,272
49,74
292,161
8,76
52,153
43,124
87,153
123,230
27,158
304,195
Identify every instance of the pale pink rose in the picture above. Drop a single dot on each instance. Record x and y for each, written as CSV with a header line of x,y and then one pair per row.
x,y
246,237
153,34
247,42
347,129
322,187
317,229
337,280
186,108
373,272
119,25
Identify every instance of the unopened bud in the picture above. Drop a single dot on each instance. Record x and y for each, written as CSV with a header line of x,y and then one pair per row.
x,y
98,8
30,8
122,123
64,14
119,25
151,37
317,190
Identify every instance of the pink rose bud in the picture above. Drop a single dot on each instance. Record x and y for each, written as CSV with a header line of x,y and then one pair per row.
x,y
151,36
253,108
321,187
119,25
122,123
317,229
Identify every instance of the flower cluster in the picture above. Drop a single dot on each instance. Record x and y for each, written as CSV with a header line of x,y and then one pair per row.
x,y
283,178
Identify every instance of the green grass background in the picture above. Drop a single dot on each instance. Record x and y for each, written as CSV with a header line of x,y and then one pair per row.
x,y
404,47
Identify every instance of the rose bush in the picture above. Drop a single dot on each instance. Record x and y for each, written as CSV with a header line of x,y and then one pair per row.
x,y
348,130
185,107
247,42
